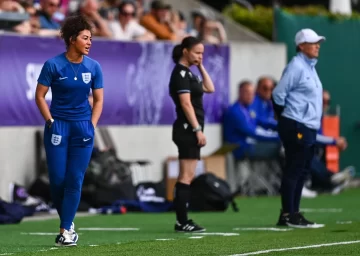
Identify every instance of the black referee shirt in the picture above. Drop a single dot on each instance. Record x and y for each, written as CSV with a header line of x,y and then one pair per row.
x,y
184,81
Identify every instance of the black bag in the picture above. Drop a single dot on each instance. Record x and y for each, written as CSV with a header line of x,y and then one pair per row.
x,y
210,193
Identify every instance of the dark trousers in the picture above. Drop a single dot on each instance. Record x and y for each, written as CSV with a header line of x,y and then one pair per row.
x,y
320,175
68,147
299,144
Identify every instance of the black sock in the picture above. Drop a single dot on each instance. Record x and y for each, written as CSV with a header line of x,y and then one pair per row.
x,y
182,196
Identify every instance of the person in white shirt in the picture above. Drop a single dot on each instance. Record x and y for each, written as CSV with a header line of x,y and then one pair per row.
x,y
127,28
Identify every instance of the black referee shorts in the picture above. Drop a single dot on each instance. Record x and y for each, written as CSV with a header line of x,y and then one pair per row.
x,y
186,141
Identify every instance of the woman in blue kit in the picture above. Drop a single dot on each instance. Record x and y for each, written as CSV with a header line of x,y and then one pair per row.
x,y
70,121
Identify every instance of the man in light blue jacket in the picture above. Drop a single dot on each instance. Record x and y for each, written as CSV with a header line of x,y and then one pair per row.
x,y
298,104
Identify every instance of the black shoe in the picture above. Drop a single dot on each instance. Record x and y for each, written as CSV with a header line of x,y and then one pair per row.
x,y
283,220
189,227
297,220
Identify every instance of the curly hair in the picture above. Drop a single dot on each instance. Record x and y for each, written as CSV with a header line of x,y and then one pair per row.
x,y
72,26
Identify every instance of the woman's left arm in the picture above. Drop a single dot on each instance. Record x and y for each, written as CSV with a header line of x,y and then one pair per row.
x,y
208,85
98,100
97,95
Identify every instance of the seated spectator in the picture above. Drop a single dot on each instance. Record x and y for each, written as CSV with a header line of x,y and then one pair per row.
x,y
209,31
241,127
20,24
11,6
127,28
158,21
179,24
212,32
90,9
109,9
46,13
262,104
322,179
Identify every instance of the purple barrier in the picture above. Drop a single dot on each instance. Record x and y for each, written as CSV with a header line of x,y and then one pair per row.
x,y
136,77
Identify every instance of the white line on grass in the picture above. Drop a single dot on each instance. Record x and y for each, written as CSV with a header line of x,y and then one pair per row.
x,y
333,210
110,229
6,254
196,237
343,222
264,229
43,216
42,234
164,239
296,248
216,234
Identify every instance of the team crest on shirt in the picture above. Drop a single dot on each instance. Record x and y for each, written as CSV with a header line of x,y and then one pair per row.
x,y
299,135
86,77
56,139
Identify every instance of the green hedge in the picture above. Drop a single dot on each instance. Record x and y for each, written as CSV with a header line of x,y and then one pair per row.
x,y
260,20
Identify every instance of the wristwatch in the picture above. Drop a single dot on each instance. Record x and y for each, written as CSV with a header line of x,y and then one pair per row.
x,y
197,129
49,122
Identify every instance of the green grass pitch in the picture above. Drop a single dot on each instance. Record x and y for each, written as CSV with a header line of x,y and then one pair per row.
x,y
229,233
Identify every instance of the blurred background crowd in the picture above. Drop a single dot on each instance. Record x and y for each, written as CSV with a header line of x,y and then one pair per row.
x,y
144,20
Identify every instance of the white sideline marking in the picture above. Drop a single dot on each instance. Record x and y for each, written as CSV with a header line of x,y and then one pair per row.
x,y
322,210
42,234
6,254
218,234
93,245
296,248
164,239
343,222
196,237
110,229
264,229
42,217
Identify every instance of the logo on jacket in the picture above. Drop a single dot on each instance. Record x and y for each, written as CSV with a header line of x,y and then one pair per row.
x,y
299,135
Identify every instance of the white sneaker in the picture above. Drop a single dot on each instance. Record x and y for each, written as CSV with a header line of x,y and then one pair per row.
x,y
307,193
343,176
74,235
64,239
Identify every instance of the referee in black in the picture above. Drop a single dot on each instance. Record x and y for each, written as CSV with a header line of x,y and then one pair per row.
x,y
186,90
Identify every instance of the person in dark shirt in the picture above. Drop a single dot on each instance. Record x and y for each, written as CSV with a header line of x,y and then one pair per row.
x,y
186,90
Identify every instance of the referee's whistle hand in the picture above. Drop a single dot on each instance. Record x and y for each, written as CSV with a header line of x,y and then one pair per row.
x,y
201,138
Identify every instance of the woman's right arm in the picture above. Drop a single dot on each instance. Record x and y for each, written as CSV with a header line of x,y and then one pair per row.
x,y
188,109
40,94
44,82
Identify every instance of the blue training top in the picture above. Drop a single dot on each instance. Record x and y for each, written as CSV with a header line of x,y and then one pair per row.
x,y
70,85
